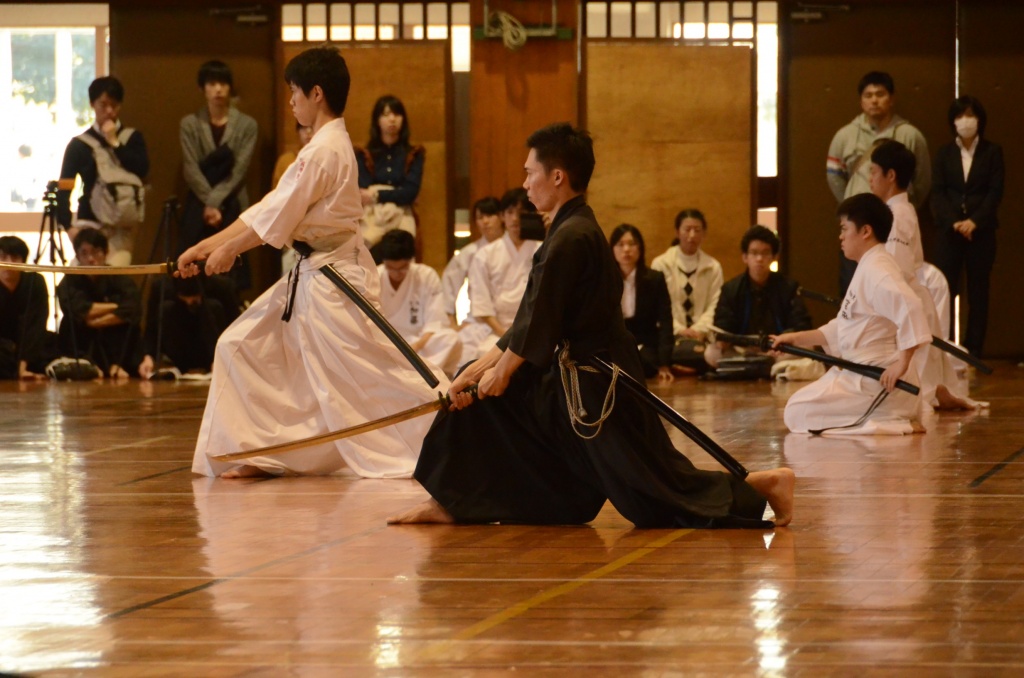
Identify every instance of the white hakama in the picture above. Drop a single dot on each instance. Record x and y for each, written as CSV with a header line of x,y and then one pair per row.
x,y
328,367
880,315
416,309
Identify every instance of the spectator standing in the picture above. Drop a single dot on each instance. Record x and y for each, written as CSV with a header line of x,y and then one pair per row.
x,y
965,201
120,152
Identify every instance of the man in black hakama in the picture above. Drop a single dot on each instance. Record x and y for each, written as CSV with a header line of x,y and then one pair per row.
x,y
517,458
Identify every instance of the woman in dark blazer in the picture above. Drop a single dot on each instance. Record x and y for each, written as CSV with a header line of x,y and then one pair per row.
x,y
967,187
645,302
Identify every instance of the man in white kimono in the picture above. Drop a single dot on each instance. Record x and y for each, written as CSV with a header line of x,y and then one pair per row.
x,y
880,322
410,298
487,215
303,359
694,280
891,171
497,280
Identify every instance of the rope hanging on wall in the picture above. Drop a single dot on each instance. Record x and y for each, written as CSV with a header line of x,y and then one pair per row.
x,y
513,34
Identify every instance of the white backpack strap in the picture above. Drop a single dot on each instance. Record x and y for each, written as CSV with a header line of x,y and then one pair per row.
x,y
125,134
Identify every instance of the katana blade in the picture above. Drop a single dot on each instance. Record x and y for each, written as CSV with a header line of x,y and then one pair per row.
x,y
141,269
442,402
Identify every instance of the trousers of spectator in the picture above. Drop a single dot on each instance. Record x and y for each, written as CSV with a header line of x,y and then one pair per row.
x,y
954,253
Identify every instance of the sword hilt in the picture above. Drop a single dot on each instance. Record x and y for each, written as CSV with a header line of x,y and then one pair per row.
x,y
446,400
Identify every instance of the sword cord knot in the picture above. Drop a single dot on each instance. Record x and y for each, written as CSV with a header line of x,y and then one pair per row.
x,y
568,369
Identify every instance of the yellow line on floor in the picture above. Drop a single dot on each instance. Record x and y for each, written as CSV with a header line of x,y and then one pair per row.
x,y
568,587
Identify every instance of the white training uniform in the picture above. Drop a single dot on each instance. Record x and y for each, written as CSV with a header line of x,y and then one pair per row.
x,y
455,274
879,316
904,244
415,309
497,281
706,282
327,368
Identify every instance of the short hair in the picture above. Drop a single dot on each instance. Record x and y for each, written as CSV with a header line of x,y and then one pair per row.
x,y
892,155
968,103
395,105
623,229
323,66
561,146
879,78
13,246
215,71
691,213
516,197
761,234
397,245
108,85
488,206
91,236
867,209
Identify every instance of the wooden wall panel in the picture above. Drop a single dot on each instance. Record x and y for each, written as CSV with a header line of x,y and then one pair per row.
x,y
418,73
514,93
825,61
992,69
156,52
661,148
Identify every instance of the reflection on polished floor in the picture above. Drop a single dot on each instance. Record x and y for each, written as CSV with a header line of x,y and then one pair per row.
x,y
906,556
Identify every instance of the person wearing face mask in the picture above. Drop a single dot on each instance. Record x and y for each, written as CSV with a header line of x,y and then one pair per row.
x,y
217,144
694,280
390,172
966,192
119,147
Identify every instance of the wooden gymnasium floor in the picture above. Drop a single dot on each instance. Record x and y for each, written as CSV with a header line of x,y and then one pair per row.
x,y
906,557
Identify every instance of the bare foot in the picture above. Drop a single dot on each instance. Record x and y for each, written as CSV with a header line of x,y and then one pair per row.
x,y
948,401
427,512
777,487
246,471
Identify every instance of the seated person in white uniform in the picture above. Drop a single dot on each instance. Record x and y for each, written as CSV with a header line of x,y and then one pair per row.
x,y
497,279
880,322
410,298
891,171
303,360
487,217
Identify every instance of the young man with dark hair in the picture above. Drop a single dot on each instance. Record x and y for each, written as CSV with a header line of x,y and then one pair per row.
x,y
104,309
123,146
892,169
217,145
25,345
758,301
303,359
521,454
880,322
410,298
487,217
497,278
849,155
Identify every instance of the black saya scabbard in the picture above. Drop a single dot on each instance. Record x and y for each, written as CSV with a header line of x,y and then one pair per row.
x,y
765,344
938,342
639,391
373,314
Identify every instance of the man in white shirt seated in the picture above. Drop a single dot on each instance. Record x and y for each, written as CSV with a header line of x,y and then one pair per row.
x,y
497,279
487,216
880,322
410,298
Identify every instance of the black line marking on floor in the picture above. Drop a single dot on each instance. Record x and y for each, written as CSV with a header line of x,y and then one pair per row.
x,y
153,475
996,469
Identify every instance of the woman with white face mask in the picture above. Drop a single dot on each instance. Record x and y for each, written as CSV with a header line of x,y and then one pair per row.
x,y
967,187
